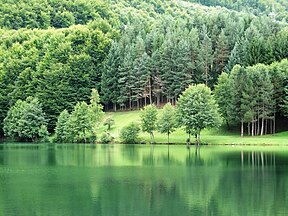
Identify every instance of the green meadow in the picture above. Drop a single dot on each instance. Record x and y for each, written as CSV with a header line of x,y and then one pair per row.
x,y
215,136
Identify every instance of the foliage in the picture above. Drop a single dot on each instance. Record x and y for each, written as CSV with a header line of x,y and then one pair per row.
x,y
134,53
167,120
197,109
129,134
80,125
109,122
223,94
149,120
56,13
26,121
96,107
61,130
106,138
253,96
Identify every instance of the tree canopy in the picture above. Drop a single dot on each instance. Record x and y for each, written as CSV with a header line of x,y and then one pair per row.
x,y
26,121
197,110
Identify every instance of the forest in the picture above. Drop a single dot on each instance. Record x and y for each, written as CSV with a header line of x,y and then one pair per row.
x,y
136,53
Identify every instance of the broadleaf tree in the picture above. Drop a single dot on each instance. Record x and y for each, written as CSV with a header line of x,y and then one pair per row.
x,y
167,120
149,120
197,110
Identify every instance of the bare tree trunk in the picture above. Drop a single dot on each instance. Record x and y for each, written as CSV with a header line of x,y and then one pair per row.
x,y
262,127
189,138
168,137
252,130
130,104
150,91
271,126
266,126
258,126
152,138
242,128
248,127
255,130
198,139
274,124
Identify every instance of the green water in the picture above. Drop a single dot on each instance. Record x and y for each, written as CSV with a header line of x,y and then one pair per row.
x,y
142,180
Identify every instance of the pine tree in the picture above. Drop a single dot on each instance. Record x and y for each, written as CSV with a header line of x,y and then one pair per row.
x,y
110,76
234,58
205,59
220,55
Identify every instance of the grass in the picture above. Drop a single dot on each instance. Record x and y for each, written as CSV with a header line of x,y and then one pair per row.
x,y
218,136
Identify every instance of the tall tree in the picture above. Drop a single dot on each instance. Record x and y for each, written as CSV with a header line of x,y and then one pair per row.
x,y
205,59
220,54
223,94
110,76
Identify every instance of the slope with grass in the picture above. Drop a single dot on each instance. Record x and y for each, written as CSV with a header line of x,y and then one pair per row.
x,y
215,136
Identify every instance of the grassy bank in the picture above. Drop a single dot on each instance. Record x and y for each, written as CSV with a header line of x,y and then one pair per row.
x,y
212,136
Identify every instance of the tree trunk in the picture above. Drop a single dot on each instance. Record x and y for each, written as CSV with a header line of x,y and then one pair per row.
x,y
266,126
198,139
130,104
252,130
248,127
115,107
255,127
152,138
168,137
150,91
189,138
84,136
262,127
227,124
274,124
258,126
242,128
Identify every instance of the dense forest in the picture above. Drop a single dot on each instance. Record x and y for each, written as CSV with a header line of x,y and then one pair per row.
x,y
136,53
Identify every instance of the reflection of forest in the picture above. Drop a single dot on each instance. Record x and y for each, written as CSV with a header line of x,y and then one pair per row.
x,y
258,159
141,180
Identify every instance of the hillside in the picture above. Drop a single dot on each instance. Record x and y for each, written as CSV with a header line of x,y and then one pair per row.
x,y
133,52
209,136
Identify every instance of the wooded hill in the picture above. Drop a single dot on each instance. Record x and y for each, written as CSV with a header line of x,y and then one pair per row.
x,y
133,52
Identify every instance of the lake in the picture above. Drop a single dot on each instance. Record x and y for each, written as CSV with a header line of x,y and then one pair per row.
x,y
142,180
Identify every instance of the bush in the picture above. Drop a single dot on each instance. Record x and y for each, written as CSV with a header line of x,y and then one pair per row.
x,y
106,138
130,133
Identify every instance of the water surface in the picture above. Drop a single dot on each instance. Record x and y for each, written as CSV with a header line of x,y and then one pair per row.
x,y
142,180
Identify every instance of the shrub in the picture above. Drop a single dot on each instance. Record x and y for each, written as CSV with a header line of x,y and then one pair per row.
x,y
130,133
106,138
